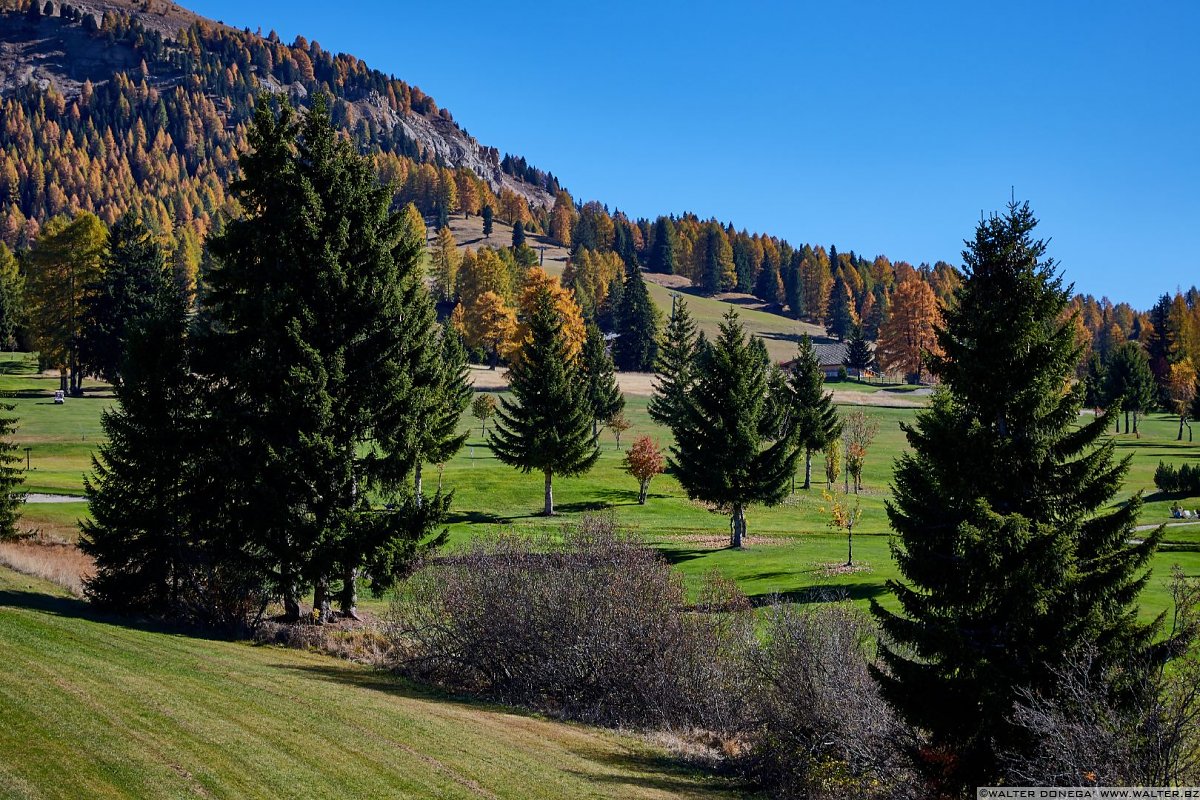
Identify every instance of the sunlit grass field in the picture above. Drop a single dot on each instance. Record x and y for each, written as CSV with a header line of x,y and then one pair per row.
x,y
791,551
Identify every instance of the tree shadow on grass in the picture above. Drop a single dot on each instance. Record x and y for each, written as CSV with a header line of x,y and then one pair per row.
x,y
74,608
648,771
825,593
476,518
657,772
675,556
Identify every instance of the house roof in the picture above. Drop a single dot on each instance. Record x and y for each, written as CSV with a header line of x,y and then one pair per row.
x,y
830,355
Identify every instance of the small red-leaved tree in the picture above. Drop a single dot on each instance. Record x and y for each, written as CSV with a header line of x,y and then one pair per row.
x,y
643,461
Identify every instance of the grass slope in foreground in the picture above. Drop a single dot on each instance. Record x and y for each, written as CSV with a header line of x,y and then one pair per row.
x,y
95,708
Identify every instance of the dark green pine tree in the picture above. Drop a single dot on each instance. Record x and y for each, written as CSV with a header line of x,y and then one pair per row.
x,y
666,246
600,383
1011,560
1129,383
547,426
11,475
858,354
728,449
518,235
793,285
636,347
447,399
675,367
488,214
134,275
768,286
808,406
147,476
839,319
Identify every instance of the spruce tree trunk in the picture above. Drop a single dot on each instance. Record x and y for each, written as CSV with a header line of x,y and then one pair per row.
x,y
62,381
349,599
417,484
1127,422
549,508
807,468
738,527
321,600
291,599
1135,424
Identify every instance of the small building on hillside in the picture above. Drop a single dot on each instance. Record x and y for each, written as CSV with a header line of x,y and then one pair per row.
x,y
830,355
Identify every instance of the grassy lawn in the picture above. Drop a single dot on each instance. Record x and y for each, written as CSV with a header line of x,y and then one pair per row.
x,y
790,549
97,708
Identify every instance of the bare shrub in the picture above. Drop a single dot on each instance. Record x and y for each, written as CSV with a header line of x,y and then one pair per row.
x,y
821,727
591,626
1134,726
61,564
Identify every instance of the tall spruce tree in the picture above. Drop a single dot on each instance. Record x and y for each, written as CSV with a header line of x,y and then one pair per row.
x,y
600,383
12,477
809,408
133,275
547,426
731,447
858,353
839,318
666,246
322,327
636,347
676,357
1011,560
1129,383
445,401
148,488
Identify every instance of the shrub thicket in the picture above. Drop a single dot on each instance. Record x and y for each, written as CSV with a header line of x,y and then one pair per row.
x,y
1184,479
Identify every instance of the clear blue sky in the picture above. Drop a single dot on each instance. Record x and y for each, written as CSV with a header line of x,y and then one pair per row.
x,y
881,127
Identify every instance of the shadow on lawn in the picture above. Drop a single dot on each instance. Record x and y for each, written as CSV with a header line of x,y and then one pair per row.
x,y
75,608
658,772
824,593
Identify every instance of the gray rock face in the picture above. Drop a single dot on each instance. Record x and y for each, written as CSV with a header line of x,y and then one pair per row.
x,y
49,52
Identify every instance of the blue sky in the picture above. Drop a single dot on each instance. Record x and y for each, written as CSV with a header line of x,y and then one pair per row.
x,y
881,127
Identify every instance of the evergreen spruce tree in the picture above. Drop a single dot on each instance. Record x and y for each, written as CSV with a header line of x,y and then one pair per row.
x,y
603,395
547,426
11,475
518,235
675,368
133,275
487,215
320,343
666,245
147,479
809,408
839,319
636,347
1129,383
858,353
1011,559
729,450
446,399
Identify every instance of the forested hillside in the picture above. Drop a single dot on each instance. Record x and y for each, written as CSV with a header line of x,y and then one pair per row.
x,y
109,106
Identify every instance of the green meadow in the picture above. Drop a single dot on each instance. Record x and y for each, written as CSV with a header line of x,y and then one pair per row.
x,y
100,708
791,552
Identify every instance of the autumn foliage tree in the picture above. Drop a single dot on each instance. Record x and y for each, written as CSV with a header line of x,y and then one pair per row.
x,y
909,334
489,324
643,461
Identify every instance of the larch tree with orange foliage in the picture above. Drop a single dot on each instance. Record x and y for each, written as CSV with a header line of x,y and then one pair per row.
x,y
574,331
488,323
1181,390
908,335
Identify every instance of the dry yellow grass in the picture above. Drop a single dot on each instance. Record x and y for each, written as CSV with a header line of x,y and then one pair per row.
x,y
60,564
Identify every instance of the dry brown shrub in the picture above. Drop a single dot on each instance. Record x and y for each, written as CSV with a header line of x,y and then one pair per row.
x,y
591,625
